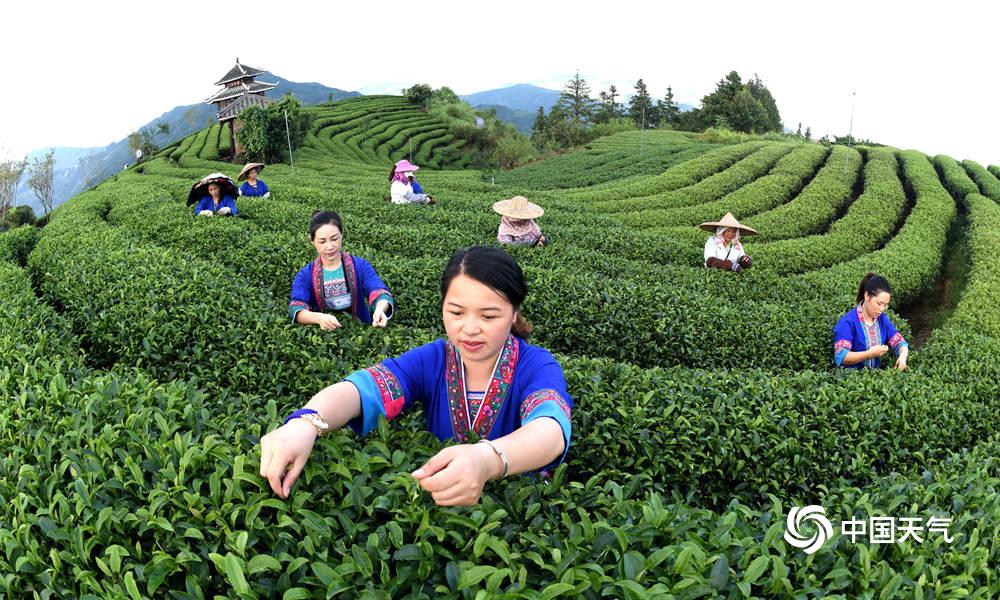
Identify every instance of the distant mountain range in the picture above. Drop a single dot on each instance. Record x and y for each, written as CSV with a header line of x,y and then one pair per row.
x,y
521,119
77,169
523,97
518,104
527,97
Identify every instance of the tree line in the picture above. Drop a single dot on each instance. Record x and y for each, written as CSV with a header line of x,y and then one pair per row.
x,y
747,107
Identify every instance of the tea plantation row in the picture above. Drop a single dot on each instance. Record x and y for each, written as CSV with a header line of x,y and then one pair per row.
x,y
146,351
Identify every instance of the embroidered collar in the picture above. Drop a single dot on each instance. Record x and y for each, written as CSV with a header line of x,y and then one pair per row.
x,y
861,317
350,276
463,421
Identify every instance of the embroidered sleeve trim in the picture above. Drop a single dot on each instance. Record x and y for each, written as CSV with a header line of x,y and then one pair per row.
x,y
896,340
376,293
390,390
536,399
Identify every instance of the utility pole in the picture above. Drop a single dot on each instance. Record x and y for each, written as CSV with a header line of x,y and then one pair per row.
x,y
289,137
850,132
642,135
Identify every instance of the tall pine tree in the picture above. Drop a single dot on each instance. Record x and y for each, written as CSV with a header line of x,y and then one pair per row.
x,y
576,101
608,106
667,110
640,106
717,106
746,107
763,95
746,113
538,129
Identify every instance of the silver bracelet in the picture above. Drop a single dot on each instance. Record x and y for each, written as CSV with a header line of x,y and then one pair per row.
x,y
501,454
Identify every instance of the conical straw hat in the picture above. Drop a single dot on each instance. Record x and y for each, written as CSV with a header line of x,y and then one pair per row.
x,y
199,189
518,207
727,221
246,169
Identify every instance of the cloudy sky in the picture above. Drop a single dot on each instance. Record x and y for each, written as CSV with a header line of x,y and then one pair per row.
x,y
924,75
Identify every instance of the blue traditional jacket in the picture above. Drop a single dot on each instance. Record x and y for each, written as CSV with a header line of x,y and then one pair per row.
x,y
208,204
248,190
527,384
852,334
363,283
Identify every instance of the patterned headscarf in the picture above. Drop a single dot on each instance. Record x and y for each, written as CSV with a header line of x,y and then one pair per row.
x,y
721,241
518,228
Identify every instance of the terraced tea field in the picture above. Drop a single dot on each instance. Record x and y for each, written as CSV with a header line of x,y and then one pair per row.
x,y
143,352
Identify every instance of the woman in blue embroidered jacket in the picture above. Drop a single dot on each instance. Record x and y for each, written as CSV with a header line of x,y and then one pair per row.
x,y
484,379
253,187
337,282
865,333
214,196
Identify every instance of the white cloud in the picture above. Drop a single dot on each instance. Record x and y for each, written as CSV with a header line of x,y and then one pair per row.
x,y
924,74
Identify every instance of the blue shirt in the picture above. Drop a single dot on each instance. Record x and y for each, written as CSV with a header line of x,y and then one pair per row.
x,y
852,334
527,384
208,204
366,288
248,190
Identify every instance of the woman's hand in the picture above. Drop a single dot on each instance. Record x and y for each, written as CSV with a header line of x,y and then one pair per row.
x,y
456,475
205,213
224,210
327,322
287,445
719,263
904,355
378,318
878,351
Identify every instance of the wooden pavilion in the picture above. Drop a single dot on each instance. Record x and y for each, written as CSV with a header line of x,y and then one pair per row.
x,y
240,91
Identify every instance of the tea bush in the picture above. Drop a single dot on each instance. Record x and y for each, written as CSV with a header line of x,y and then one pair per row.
x,y
817,205
988,184
143,352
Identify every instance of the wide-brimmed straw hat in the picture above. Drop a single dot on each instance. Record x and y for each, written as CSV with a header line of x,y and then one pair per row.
x,y
200,189
728,221
518,207
246,170
405,165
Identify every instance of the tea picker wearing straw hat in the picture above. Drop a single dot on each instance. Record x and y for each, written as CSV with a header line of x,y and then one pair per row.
x,y
517,222
213,195
253,187
724,250
401,191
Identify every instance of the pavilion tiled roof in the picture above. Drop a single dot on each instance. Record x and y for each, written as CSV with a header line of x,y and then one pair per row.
x,y
255,87
238,72
236,107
